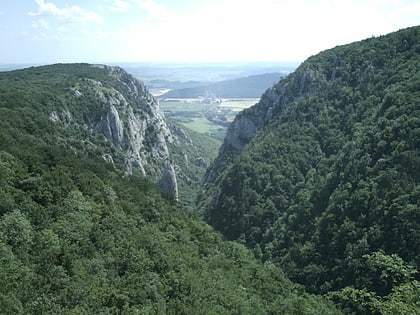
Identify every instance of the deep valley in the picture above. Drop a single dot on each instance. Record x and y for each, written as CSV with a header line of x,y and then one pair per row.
x,y
145,189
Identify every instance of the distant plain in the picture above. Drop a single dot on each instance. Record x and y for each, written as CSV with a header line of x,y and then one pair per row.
x,y
206,118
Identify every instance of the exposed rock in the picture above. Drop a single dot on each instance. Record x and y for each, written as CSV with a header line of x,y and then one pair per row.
x,y
240,132
95,83
111,126
169,181
77,93
63,116
303,82
135,122
181,133
54,117
108,158
130,118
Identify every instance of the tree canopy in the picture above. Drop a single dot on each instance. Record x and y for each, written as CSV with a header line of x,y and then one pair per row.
x,y
79,236
328,189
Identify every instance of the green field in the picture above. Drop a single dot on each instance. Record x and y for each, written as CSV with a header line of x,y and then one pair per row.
x,y
172,106
239,104
188,105
202,125
193,115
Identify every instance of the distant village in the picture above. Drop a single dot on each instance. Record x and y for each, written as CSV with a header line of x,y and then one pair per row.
x,y
210,98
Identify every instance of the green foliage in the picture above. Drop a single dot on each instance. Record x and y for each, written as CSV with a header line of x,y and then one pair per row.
x,y
192,154
330,186
393,291
77,236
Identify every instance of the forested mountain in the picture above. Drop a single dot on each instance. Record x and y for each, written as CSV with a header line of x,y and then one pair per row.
x,y
322,175
250,86
107,107
83,231
116,115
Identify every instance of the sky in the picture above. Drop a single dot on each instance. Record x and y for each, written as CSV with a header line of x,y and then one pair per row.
x,y
50,31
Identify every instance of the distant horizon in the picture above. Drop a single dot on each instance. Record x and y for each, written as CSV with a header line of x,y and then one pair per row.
x,y
156,64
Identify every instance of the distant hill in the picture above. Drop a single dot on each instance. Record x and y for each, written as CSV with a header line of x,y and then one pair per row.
x,y
204,72
250,86
174,85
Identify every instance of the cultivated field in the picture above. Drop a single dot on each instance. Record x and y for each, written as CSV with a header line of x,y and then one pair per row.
x,y
211,119
238,104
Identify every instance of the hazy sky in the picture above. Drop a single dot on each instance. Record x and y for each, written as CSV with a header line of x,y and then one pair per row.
x,y
47,31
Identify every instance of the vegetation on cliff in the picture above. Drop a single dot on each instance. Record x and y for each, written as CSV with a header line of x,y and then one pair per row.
x,y
322,176
78,235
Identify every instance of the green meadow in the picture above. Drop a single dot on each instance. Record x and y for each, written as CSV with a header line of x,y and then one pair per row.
x,y
211,119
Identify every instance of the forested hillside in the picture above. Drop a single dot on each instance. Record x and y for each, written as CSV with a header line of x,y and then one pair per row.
x,y
81,235
322,175
192,153
105,106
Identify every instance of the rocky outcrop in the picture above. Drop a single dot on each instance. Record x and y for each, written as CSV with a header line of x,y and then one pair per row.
x,y
168,181
303,82
181,133
130,117
135,123
307,80
111,125
240,132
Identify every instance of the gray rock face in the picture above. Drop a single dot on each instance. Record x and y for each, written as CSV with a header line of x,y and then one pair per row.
x,y
111,126
240,132
64,117
168,181
131,118
180,133
138,126
304,81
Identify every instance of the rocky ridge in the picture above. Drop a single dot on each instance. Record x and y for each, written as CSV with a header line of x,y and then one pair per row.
x,y
305,81
131,118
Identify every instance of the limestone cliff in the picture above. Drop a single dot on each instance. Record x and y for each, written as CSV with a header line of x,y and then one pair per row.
x,y
304,81
126,114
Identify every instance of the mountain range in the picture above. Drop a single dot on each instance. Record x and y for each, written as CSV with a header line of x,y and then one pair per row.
x,y
247,87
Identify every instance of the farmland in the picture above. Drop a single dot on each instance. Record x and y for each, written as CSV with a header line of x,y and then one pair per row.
x,y
210,119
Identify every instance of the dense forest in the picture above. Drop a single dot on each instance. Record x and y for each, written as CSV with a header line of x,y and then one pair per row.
x,y
322,176
79,235
312,205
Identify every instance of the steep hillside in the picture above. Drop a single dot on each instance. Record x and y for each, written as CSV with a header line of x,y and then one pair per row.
x,y
106,106
322,175
192,153
79,235
251,86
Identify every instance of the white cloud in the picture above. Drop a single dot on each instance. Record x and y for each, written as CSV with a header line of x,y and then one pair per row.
x,y
52,24
215,30
72,13
120,6
154,11
41,24
288,29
